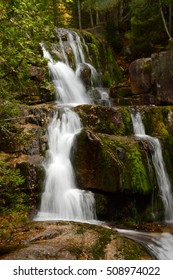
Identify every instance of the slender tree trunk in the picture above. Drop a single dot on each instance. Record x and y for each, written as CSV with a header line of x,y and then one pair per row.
x,y
97,18
55,11
170,18
164,21
79,14
91,19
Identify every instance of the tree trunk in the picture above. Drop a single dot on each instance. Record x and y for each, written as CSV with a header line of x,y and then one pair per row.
x,y
170,18
91,19
79,14
55,12
97,18
164,21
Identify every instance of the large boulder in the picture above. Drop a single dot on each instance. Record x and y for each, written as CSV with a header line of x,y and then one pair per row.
x,y
140,76
162,76
84,73
110,162
152,78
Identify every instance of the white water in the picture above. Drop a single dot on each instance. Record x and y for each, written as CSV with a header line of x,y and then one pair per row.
x,y
68,87
78,49
62,49
160,245
159,165
61,199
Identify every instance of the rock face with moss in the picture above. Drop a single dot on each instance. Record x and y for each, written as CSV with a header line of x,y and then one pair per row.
x,y
109,161
71,241
23,146
158,122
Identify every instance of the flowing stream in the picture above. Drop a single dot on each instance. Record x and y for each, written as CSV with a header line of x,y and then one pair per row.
x,y
160,245
61,199
159,165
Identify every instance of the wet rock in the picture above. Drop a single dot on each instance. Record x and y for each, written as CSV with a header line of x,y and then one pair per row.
x,y
84,73
74,241
104,119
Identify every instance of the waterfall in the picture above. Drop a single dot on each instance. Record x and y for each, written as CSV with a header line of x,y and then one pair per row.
x,y
61,199
159,165
160,245
78,49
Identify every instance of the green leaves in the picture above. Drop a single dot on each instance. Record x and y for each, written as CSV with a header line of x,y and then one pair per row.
x,y
11,196
23,25
146,25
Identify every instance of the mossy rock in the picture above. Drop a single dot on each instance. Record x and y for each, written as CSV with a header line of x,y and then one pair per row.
x,y
71,241
117,168
102,119
109,161
103,59
158,121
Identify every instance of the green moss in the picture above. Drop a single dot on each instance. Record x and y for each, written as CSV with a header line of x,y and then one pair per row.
x,y
156,121
131,250
113,66
103,59
112,128
126,127
106,79
97,250
94,53
133,170
124,92
137,171
76,251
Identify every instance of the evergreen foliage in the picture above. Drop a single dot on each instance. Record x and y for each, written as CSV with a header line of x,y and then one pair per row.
x,y
147,29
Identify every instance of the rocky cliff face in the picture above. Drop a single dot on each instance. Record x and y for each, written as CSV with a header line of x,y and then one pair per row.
x,y
23,147
153,78
117,167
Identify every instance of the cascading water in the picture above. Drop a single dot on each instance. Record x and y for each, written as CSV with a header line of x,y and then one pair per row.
x,y
74,43
61,200
160,245
159,165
